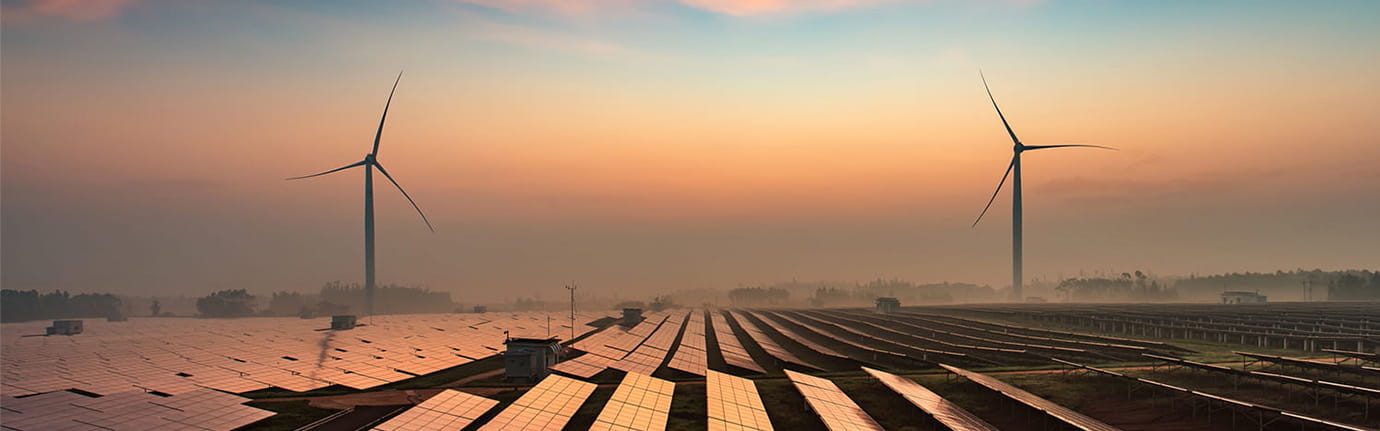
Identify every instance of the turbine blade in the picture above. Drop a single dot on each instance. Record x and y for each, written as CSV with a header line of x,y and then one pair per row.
x,y
1041,147
404,193
1014,140
998,190
379,135
359,163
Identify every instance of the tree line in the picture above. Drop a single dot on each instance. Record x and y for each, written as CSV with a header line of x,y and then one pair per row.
x,y
24,305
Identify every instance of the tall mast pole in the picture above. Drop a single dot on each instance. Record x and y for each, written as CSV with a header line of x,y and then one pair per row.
x,y
369,240
572,288
1016,255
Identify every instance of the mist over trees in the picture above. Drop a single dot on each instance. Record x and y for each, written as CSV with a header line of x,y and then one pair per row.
x,y
24,305
1346,285
1129,286
226,303
832,294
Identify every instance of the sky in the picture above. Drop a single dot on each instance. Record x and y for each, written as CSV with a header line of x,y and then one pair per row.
x,y
645,146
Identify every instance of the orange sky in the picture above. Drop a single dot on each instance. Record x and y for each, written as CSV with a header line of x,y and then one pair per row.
x,y
144,149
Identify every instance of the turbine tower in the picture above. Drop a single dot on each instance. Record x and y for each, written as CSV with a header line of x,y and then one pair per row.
x,y
1016,150
370,163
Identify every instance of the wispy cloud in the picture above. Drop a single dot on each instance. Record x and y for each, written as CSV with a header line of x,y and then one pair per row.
x,y
773,7
562,7
544,39
76,10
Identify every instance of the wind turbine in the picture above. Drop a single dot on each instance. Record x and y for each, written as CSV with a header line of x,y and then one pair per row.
x,y
1016,150
370,163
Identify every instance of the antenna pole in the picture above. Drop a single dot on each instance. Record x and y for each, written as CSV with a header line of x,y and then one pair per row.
x,y
572,288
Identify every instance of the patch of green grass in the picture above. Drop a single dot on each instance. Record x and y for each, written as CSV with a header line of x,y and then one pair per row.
x,y
290,415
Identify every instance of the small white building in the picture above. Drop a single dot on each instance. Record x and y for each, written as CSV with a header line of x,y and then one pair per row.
x,y
530,359
65,327
1242,297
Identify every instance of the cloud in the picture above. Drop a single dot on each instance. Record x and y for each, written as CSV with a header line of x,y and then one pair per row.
x,y
562,7
771,7
75,10
535,38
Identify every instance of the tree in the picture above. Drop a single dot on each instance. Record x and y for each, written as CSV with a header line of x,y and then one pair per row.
x,y
155,309
226,303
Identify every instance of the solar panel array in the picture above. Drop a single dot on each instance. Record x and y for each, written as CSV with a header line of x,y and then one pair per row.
x,y
202,409
647,357
690,356
547,406
772,348
186,356
734,403
944,411
730,346
838,412
1073,418
179,355
641,402
448,409
798,337
608,346
823,328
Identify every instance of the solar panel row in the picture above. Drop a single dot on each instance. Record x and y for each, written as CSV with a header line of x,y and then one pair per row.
x,y
838,412
690,356
797,337
547,406
203,409
448,409
647,357
730,346
1068,416
942,410
775,350
641,402
734,403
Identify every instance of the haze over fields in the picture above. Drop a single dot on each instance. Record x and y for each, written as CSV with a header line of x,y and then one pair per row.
x,y
659,145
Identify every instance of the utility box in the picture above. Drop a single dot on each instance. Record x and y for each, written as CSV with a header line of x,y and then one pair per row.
x,y
480,309
65,327
887,305
631,316
530,359
342,322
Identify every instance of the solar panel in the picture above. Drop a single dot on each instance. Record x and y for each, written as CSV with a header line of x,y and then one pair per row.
x,y
1073,418
799,338
773,349
641,402
647,357
730,346
734,403
548,405
690,355
838,412
448,409
946,412
182,356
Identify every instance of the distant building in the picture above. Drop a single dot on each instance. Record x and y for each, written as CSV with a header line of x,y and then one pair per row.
x,y
65,327
1035,300
888,305
1242,297
342,322
480,309
530,359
